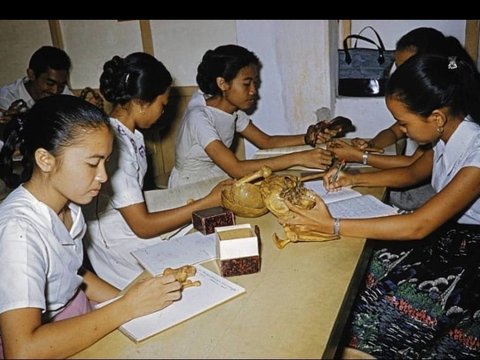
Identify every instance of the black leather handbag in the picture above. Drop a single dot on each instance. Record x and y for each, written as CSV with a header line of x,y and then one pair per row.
x,y
363,72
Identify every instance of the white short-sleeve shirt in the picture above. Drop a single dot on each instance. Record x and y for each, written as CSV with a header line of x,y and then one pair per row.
x,y
461,150
201,125
110,240
39,257
17,90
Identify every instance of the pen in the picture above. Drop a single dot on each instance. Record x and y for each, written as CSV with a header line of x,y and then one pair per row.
x,y
340,166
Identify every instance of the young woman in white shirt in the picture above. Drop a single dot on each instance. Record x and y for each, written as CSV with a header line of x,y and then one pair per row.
x,y
422,289
65,143
228,81
138,86
423,40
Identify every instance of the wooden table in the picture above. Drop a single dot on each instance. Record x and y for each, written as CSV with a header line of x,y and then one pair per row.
x,y
295,307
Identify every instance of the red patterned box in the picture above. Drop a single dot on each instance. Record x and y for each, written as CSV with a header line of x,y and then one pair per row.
x,y
207,220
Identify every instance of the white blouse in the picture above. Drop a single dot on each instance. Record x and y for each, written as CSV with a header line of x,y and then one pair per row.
x,y
39,257
110,241
201,125
461,150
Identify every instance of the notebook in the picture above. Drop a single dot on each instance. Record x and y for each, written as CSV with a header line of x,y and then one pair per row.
x,y
349,203
189,249
213,291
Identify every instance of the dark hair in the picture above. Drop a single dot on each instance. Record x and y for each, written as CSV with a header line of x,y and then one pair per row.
x,y
225,61
425,83
425,40
49,57
53,123
138,76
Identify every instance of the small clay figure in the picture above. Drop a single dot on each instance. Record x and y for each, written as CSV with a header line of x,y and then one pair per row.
x,y
182,274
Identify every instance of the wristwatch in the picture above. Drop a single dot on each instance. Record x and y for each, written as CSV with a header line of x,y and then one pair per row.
x,y
365,157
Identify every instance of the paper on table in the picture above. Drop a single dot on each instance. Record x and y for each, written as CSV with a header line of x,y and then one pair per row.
x,y
349,203
365,206
158,200
184,250
214,290
282,150
332,196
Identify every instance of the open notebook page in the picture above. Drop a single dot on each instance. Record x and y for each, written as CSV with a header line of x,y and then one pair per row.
x,y
213,291
190,249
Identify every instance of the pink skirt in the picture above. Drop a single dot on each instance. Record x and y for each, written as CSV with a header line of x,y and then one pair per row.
x,y
77,306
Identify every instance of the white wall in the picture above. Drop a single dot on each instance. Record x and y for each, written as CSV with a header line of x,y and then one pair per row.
x,y
19,39
90,43
180,44
370,114
295,77
298,56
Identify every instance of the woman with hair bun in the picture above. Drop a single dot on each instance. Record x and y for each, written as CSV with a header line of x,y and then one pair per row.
x,y
228,80
138,86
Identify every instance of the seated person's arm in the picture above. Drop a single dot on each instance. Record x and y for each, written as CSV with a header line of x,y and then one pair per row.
x,y
228,162
350,153
147,224
458,194
97,289
387,136
415,173
265,141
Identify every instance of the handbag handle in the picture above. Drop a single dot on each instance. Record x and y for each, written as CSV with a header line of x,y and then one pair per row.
x,y
348,57
379,39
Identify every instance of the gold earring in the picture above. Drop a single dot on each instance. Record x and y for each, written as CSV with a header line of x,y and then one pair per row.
x,y
440,129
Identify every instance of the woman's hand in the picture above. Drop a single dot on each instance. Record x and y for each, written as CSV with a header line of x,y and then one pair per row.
x,y
315,158
318,218
214,197
345,151
315,135
151,295
334,179
360,143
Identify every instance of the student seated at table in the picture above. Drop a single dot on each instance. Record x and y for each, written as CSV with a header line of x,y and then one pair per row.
x,y
45,295
47,75
228,80
421,297
138,86
421,40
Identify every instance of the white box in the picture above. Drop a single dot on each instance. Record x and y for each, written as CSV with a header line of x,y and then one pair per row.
x,y
237,249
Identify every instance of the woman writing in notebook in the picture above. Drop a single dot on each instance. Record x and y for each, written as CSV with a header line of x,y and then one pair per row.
x,y
45,294
421,40
119,222
424,286
228,80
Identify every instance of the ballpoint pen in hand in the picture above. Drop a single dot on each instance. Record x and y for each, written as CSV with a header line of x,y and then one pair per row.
x,y
340,166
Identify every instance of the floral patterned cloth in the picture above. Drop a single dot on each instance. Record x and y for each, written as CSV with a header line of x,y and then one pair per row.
x,y
421,299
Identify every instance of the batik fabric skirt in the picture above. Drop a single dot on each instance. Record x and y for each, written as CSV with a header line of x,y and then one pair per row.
x,y
421,299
